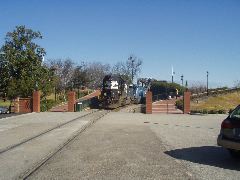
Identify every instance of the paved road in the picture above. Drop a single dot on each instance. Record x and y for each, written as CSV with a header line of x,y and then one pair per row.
x,y
136,146
119,146
128,146
8,115
191,140
24,143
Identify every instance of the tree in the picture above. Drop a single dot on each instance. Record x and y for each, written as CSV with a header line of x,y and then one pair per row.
x,y
63,72
96,72
163,89
79,77
134,64
23,63
129,69
121,68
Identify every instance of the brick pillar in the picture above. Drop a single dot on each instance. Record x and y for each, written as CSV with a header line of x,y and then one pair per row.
x,y
36,101
149,102
71,101
16,105
186,102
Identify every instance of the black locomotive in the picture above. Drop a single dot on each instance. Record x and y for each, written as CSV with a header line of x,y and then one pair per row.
x,y
116,92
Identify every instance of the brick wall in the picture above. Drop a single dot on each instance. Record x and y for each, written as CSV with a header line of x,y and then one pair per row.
x,y
24,105
149,102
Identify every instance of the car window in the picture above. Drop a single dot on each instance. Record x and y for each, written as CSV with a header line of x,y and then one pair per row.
x,y
236,113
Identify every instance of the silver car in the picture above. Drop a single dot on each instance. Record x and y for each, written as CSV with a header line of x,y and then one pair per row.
x,y
4,110
229,136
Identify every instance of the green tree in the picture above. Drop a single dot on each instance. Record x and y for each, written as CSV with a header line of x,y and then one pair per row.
x,y
163,89
23,63
79,77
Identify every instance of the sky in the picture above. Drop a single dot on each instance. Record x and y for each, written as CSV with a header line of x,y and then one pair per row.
x,y
193,36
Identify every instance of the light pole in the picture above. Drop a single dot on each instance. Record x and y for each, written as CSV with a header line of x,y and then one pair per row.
x,y
182,79
172,74
207,82
132,61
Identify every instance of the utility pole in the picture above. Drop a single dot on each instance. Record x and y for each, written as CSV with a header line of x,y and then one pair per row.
x,y
207,82
132,61
172,74
182,79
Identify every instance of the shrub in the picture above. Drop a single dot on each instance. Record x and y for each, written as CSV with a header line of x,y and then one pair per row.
x,y
205,111
47,104
222,111
179,104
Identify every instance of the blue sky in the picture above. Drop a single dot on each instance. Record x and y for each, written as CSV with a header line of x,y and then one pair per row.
x,y
194,36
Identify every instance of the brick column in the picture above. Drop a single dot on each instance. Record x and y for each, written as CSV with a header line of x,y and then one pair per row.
x,y
36,101
71,101
186,102
149,102
16,105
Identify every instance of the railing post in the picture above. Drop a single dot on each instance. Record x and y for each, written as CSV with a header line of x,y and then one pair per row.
x,y
71,101
186,102
36,101
149,102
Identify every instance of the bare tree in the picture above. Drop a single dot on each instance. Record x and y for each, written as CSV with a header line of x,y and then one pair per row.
x,y
197,87
63,70
129,69
237,84
96,72
134,64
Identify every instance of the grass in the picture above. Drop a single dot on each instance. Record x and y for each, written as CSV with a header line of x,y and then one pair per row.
x,y
221,102
6,103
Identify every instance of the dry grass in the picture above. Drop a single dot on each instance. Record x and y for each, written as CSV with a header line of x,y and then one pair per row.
x,y
221,102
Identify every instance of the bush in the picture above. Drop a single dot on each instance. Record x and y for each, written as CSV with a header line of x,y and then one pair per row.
x,y
179,104
205,111
47,104
222,111
213,111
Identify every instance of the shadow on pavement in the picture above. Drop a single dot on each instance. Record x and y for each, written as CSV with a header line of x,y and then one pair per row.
x,y
9,115
207,155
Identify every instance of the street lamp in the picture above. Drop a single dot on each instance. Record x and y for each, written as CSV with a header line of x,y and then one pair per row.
x,y
132,61
182,79
172,74
207,82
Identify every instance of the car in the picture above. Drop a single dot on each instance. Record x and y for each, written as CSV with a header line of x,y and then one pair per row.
x,y
229,136
4,110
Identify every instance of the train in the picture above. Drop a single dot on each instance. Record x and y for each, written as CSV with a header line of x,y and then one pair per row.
x,y
116,92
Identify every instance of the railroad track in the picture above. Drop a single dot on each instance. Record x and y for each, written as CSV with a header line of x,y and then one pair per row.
x,y
28,170
96,116
41,134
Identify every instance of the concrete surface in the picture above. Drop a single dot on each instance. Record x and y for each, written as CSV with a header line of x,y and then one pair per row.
x,y
24,157
124,145
16,129
137,146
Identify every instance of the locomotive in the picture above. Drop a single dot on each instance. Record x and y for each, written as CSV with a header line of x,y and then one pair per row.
x,y
116,92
